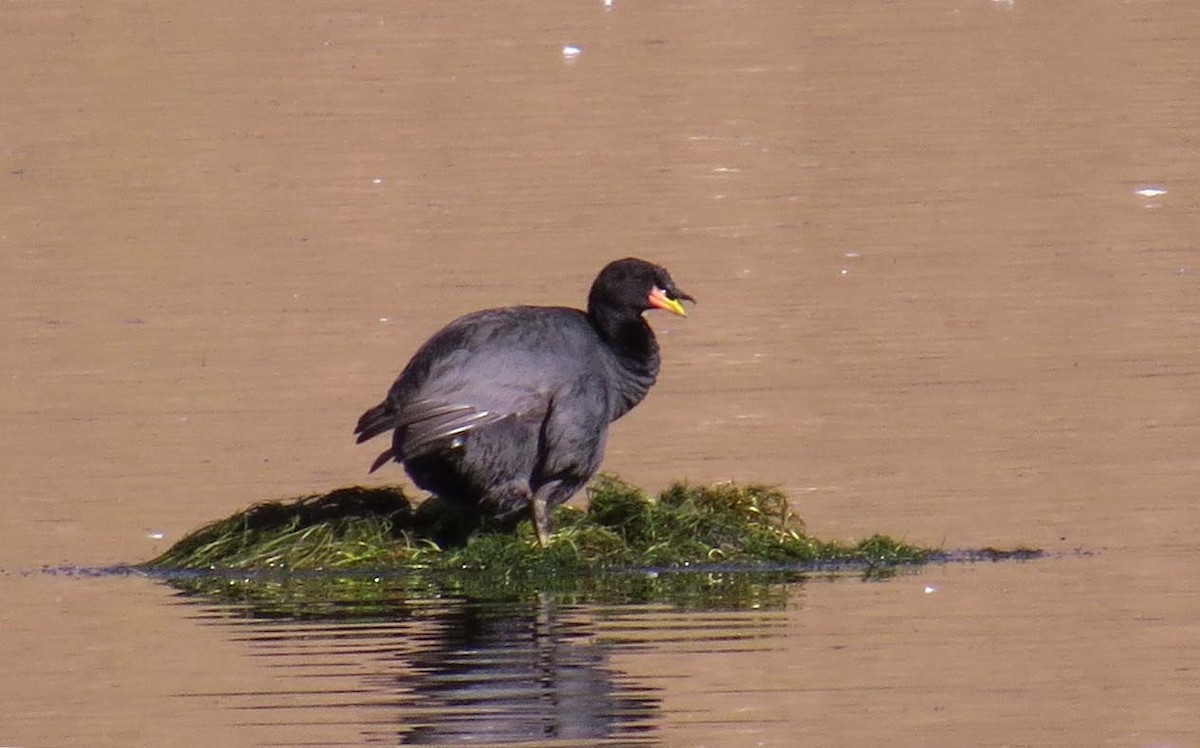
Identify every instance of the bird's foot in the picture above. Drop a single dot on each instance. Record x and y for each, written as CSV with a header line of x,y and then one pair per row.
x,y
541,519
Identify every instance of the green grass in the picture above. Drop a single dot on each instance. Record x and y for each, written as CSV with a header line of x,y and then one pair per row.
x,y
379,529
363,552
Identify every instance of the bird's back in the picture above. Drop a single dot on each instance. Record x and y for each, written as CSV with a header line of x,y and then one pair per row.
x,y
503,360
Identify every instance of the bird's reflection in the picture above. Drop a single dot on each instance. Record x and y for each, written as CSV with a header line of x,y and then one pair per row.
x,y
438,669
509,674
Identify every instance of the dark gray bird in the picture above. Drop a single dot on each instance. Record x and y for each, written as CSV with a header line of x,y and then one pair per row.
x,y
507,410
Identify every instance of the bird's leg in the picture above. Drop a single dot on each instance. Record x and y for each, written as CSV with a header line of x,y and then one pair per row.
x,y
541,517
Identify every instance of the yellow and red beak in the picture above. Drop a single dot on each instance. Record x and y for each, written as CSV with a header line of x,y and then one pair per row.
x,y
659,300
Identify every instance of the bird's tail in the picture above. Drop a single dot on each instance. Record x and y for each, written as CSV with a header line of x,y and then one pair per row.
x,y
375,421
384,457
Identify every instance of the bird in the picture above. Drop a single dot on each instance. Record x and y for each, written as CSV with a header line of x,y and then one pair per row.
x,y
505,412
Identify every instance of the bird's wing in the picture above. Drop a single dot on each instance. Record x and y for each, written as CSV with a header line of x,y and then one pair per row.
x,y
425,422
483,368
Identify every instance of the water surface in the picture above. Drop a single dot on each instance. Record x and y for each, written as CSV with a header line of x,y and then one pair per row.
x,y
946,257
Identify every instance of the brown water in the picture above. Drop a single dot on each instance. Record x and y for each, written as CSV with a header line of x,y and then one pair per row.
x,y
932,303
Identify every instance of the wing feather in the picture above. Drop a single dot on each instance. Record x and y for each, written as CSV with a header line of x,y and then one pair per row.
x,y
425,423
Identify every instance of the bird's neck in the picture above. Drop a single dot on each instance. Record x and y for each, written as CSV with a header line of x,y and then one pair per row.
x,y
635,357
